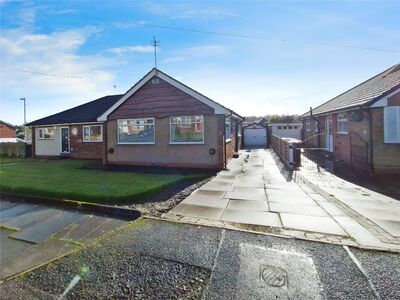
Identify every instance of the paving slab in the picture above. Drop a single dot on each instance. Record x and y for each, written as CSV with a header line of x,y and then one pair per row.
x,y
288,186
242,193
218,186
248,205
305,210
209,194
10,248
361,235
42,230
311,223
109,225
267,273
197,211
37,215
251,217
379,213
34,256
7,204
15,211
289,197
391,226
206,201
332,209
79,230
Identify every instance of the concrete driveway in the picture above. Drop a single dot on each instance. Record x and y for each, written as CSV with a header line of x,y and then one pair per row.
x,y
253,194
33,234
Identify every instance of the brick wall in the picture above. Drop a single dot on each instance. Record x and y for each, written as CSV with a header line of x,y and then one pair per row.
x,y
386,157
7,132
84,150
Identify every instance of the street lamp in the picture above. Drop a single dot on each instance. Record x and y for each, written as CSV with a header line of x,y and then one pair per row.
x,y
24,99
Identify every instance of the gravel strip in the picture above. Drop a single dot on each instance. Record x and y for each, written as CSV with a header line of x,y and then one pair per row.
x,y
117,271
159,206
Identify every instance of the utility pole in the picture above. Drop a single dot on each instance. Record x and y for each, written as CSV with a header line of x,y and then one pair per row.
x,y
24,99
155,43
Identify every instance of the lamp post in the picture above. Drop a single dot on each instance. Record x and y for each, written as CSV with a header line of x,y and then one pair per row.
x,y
24,99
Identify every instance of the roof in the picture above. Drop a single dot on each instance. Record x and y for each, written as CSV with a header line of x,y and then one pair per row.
x,y
363,94
11,140
7,124
218,108
88,112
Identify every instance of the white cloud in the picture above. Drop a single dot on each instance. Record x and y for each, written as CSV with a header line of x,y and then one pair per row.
x,y
133,49
54,54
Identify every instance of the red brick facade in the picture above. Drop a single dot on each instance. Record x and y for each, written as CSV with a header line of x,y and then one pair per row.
x,y
84,150
7,131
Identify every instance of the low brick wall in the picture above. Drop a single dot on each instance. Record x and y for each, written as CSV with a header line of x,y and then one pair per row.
x,y
287,150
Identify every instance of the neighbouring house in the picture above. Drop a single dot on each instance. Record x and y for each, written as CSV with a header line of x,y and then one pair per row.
x,y
288,130
7,130
361,126
158,122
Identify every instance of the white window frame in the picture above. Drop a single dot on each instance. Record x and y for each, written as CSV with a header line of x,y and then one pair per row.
x,y
386,123
342,117
184,143
308,125
227,121
41,136
137,143
89,140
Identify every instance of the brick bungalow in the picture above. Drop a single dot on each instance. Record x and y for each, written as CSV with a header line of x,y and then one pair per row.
x,y
7,130
361,127
158,122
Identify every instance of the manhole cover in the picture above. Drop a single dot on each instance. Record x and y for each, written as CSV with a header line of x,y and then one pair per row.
x,y
274,276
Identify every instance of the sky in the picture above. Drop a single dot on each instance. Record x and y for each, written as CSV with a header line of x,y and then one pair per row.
x,y
258,57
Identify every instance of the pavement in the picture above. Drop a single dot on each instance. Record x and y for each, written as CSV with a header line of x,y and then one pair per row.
x,y
33,234
256,193
158,259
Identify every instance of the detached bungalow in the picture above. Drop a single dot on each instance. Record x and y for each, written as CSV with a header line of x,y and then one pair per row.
x,y
158,122
361,127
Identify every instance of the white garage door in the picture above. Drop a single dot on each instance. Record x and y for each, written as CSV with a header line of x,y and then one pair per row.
x,y
255,137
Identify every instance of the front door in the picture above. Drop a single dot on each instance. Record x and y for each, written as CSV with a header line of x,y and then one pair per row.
x,y
64,140
329,135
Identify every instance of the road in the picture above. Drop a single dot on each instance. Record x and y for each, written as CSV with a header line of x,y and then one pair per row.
x,y
162,259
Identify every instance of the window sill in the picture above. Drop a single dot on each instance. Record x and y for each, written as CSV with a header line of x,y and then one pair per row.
x,y
342,133
186,143
127,143
228,141
91,142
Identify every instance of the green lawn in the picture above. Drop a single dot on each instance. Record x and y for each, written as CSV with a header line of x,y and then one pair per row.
x,y
78,180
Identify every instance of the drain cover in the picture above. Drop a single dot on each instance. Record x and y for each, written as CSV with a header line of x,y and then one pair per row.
x,y
273,276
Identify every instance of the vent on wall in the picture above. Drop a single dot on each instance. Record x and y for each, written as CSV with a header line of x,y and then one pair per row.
x,y
155,81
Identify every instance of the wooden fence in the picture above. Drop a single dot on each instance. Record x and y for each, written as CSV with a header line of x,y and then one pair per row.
x,y
288,150
15,149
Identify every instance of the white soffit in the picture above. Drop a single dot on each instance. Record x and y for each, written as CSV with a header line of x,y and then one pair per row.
x,y
384,101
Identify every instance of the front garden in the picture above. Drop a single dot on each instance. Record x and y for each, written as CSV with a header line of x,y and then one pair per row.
x,y
82,180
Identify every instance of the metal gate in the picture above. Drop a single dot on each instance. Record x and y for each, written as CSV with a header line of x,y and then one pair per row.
x,y
359,152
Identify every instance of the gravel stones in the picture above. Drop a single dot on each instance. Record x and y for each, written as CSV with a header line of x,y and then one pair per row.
x,y
116,270
159,205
